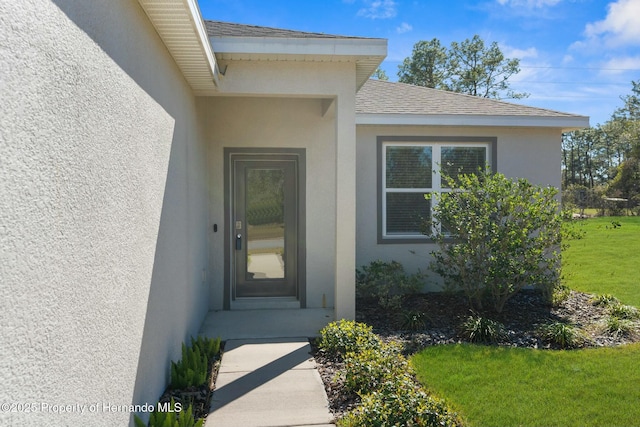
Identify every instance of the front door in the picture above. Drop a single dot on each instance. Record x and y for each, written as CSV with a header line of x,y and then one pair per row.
x,y
264,222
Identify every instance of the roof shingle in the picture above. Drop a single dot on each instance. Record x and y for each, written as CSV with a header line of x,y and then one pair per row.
x,y
228,29
383,97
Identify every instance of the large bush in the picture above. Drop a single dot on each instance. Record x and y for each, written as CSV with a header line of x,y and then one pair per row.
x,y
496,236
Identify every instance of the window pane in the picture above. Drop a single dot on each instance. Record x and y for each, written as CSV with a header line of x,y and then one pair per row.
x,y
407,212
408,167
462,160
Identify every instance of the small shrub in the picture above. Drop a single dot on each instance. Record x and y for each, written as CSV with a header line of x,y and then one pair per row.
x,y
562,334
605,300
400,403
346,336
209,347
480,329
560,294
173,418
387,282
367,370
191,370
624,311
618,327
413,320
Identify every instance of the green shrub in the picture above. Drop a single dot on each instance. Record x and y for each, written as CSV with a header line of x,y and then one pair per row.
x,y
173,418
345,336
387,282
209,347
368,369
413,320
562,334
400,403
480,329
191,370
624,311
605,300
196,360
496,237
618,327
559,295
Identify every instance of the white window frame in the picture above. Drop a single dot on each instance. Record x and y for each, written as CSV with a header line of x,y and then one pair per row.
x,y
436,178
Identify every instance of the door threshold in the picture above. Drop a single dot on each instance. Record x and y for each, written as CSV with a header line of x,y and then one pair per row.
x,y
271,303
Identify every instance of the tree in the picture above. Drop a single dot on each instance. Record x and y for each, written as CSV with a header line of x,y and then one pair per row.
x,y
480,71
626,179
468,67
497,236
379,74
427,65
605,159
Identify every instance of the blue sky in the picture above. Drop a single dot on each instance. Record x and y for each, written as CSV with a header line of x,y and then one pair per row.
x,y
577,56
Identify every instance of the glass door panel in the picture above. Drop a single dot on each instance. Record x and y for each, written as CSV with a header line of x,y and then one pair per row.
x,y
265,232
265,224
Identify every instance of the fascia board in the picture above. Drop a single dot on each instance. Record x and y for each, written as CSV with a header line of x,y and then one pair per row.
x,y
203,38
299,46
564,123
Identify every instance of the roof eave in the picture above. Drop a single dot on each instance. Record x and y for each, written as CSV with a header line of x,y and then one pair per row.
x,y
178,22
367,53
566,124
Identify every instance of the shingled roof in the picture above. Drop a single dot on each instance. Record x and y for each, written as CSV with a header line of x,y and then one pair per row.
x,y
383,97
228,29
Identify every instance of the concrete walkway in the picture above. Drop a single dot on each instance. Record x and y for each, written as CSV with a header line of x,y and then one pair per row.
x,y
268,383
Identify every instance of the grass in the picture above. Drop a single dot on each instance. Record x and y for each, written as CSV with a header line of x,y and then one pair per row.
x,y
605,260
499,386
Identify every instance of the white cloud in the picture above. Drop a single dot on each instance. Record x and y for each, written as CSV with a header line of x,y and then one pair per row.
x,y
621,25
530,4
404,28
513,52
621,65
378,9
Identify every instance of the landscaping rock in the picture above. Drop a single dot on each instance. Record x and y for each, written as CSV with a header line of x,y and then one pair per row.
x,y
522,317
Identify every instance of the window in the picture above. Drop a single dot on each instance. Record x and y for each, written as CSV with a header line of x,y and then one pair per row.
x,y
410,168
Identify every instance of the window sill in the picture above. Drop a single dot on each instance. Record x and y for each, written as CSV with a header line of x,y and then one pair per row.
x,y
404,240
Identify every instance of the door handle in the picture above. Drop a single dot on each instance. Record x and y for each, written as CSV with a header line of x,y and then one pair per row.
x,y
238,242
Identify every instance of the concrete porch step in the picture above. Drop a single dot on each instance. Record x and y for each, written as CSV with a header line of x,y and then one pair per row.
x,y
257,324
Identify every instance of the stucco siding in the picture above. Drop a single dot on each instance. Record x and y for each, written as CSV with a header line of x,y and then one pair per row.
x,y
104,210
528,153
251,122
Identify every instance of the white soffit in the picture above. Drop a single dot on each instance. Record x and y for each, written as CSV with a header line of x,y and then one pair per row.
x,y
180,26
564,123
366,53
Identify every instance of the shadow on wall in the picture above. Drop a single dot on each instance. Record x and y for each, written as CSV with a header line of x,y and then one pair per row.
x,y
177,303
132,48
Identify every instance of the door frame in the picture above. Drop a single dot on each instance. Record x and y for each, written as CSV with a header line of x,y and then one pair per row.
x,y
232,154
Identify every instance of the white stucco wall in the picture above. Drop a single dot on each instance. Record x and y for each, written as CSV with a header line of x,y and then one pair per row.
x,y
103,210
528,153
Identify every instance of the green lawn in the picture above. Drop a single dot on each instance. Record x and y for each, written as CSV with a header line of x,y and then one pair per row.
x,y
607,259
494,386
498,386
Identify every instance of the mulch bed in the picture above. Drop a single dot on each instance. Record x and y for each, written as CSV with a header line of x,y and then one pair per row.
x,y
522,316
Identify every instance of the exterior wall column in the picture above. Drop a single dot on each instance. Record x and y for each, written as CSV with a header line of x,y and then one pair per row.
x,y
345,292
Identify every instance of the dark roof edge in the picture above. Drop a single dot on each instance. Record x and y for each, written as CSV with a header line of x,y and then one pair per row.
x,y
229,29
